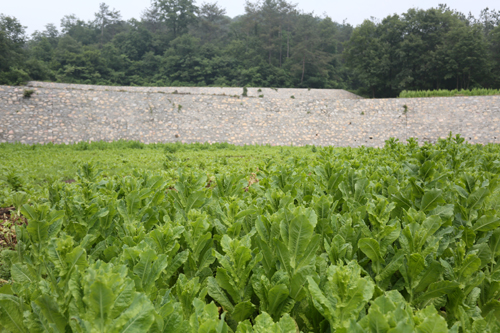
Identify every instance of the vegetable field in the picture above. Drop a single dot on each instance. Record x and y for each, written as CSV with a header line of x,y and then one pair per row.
x,y
404,238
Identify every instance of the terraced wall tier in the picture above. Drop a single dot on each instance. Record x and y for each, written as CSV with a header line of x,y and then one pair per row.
x,y
70,113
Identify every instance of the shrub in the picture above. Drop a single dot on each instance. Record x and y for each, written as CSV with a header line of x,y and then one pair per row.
x,y
28,92
448,93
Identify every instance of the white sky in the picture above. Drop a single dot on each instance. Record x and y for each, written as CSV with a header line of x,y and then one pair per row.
x,y
35,14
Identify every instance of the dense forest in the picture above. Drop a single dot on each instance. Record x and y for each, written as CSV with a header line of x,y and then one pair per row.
x,y
273,44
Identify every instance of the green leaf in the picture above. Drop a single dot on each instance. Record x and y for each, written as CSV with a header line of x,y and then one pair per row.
x,y
469,266
76,258
263,323
494,242
21,274
325,306
176,263
437,289
392,267
487,223
300,232
276,296
225,282
416,264
283,255
38,231
430,275
11,316
377,322
287,324
137,318
477,197
431,199
371,249
100,300
50,310
216,292
432,323
243,310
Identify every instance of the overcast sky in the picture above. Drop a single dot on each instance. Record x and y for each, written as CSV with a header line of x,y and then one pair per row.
x,y
35,14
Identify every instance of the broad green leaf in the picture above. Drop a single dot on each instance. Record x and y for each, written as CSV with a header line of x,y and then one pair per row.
x,y
371,249
391,267
100,300
476,198
416,264
377,322
226,283
431,199
430,275
50,309
216,292
432,322
276,296
21,274
137,318
11,315
283,255
176,263
469,266
300,232
243,310
437,289
487,223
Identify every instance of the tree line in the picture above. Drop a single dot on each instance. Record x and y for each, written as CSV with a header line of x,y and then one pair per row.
x,y
273,44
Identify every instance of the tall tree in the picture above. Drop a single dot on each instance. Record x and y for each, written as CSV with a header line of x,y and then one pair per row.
x,y
105,17
12,55
213,20
177,14
365,56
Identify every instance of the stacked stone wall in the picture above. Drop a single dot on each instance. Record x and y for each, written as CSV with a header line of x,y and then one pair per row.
x,y
71,113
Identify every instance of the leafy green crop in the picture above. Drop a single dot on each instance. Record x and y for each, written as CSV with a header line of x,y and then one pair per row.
x,y
404,238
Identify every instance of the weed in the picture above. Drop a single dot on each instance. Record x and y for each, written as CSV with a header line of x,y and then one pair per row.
x,y
245,92
260,90
261,96
405,107
28,92
292,97
179,107
362,113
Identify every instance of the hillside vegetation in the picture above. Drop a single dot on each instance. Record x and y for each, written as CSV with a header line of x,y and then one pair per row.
x,y
273,44
449,93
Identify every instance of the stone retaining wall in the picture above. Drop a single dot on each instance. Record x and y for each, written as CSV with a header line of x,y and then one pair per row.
x,y
71,113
